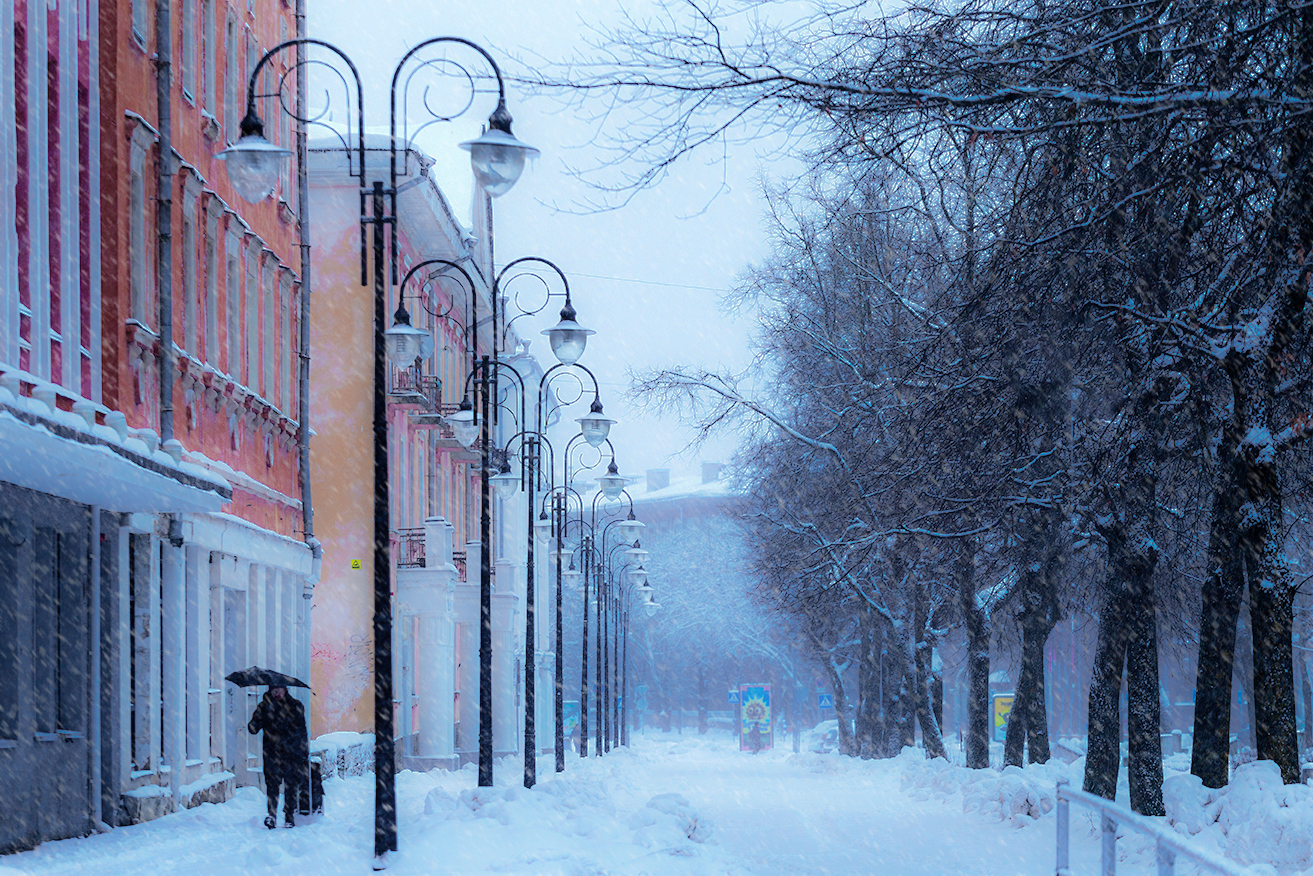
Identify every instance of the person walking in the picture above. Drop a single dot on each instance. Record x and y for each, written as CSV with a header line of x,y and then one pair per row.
x,y
286,750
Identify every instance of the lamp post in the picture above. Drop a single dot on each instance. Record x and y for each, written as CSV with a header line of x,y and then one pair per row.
x,y
650,605
253,164
568,341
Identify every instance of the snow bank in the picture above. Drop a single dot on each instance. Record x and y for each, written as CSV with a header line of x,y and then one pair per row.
x,y
1256,819
1016,795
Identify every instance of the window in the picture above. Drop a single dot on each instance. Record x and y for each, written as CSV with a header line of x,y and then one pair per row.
x,y
232,94
191,191
286,345
210,281
208,54
252,373
139,273
271,329
232,297
187,50
139,21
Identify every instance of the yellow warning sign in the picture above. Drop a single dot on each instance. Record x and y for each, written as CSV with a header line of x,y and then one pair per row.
x,y
355,564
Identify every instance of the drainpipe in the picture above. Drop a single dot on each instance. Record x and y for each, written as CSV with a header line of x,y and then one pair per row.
x,y
303,365
164,210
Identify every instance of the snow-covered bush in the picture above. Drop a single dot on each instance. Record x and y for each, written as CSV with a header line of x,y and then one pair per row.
x,y
1261,820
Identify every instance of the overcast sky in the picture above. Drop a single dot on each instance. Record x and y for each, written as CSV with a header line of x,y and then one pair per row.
x,y
647,277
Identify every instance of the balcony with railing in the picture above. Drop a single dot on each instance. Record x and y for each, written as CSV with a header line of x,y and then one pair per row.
x,y
408,387
411,552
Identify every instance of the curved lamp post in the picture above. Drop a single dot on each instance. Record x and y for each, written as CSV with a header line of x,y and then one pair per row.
x,y
497,159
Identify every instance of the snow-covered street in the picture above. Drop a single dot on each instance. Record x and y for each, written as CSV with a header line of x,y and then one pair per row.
x,y
671,806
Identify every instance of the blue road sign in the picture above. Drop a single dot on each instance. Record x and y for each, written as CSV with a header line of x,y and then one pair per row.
x,y
825,701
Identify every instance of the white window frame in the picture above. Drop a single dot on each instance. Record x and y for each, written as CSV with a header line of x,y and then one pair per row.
x,y
140,275
209,53
251,369
269,330
210,279
233,297
187,50
191,193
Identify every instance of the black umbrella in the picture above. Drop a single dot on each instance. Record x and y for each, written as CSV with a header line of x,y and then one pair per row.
x,y
254,675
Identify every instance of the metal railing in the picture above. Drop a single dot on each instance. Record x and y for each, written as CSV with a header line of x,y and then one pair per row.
x,y
407,385
410,544
458,560
1168,844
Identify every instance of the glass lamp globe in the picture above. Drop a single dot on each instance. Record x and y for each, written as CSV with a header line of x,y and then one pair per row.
x,y
646,592
463,425
568,338
570,577
637,555
542,529
638,576
596,425
253,162
497,157
630,529
405,343
650,608
612,484
505,482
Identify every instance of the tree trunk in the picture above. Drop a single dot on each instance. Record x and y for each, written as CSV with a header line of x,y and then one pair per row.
x,y
1306,738
930,728
842,710
976,622
1271,606
1028,725
1103,751
1143,716
868,677
1128,637
1222,591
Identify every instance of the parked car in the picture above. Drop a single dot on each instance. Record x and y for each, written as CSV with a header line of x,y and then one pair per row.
x,y
823,738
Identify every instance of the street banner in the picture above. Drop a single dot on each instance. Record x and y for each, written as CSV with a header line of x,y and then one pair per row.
x,y
1002,709
755,731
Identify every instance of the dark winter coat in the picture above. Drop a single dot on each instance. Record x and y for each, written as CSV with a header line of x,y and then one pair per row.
x,y
286,743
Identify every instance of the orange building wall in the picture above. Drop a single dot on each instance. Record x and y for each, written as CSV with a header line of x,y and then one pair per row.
x,y
263,443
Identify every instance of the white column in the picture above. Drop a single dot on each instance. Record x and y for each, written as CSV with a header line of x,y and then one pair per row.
x,y
507,708
212,572
173,601
198,653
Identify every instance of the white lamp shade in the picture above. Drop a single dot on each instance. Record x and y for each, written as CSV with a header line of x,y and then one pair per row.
x,y
651,608
611,485
637,555
498,160
570,577
253,166
562,554
630,530
542,529
506,483
595,427
638,576
405,343
568,338
462,423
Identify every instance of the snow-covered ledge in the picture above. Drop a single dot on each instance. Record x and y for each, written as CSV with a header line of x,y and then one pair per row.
x,y
67,454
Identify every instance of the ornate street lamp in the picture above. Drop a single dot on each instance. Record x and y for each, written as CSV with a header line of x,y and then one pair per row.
x,y
254,165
